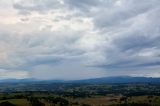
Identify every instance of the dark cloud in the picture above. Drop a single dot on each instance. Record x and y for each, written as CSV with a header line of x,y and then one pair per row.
x,y
82,5
106,35
121,11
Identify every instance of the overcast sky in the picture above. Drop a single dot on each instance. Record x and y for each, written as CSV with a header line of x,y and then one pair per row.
x,y
78,39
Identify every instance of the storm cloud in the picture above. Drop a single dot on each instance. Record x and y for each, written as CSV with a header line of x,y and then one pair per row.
x,y
77,39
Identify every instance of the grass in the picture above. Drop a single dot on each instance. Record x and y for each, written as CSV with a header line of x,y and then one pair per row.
x,y
93,100
18,102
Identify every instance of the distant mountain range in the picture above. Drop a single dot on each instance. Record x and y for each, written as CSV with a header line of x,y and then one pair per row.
x,y
120,79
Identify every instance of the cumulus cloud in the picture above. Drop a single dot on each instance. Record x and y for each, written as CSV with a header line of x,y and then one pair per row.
x,y
89,38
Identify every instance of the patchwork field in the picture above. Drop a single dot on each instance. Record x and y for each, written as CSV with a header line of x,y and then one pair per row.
x,y
80,95
110,100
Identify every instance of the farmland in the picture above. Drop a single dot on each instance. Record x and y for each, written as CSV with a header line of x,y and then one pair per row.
x,y
76,94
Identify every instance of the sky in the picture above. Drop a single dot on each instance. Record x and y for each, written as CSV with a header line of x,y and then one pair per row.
x,y
79,39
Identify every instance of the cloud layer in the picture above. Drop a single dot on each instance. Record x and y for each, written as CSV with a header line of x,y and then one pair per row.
x,y
76,39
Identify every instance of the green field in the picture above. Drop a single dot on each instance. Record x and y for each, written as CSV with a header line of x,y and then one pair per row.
x,y
82,95
18,102
109,100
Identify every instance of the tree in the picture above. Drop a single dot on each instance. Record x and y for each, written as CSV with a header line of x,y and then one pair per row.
x,y
6,104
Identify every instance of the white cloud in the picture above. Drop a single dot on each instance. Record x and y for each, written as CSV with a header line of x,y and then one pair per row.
x,y
12,74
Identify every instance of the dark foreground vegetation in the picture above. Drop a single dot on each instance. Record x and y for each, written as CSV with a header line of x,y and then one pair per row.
x,y
79,94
